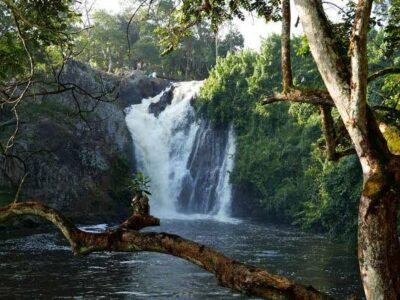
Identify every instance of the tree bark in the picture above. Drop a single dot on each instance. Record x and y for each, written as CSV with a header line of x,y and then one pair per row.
x,y
229,273
378,244
315,97
329,131
287,78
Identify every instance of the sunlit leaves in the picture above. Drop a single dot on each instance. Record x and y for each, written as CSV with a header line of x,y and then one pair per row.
x,y
41,25
216,12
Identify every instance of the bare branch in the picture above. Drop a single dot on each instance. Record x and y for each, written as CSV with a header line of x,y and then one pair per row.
x,y
335,5
384,72
21,183
316,97
10,122
129,24
393,112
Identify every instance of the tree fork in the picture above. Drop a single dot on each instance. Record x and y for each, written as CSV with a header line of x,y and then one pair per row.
x,y
229,273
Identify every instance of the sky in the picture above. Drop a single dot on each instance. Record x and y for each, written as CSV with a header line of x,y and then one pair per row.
x,y
253,29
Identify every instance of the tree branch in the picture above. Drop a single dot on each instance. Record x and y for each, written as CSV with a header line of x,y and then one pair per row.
x,y
324,101
230,273
384,72
129,25
359,65
316,97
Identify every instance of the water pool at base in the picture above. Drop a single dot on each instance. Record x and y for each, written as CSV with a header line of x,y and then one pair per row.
x,y
36,264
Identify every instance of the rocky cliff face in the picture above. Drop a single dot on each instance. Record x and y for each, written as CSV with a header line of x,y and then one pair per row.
x,y
77,148
199,187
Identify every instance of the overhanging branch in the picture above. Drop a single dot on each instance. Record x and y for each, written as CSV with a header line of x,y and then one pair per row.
x,y
324,101
316,97
230,273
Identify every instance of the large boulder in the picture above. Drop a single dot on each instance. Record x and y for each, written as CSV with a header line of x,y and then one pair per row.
x,y
136,86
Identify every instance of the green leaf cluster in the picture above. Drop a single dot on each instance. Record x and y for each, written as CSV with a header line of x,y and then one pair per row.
x,y
140,185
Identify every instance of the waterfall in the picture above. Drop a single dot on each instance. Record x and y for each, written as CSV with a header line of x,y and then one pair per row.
x,y
186,159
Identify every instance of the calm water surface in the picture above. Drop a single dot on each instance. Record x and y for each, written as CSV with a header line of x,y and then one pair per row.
x,y
41,265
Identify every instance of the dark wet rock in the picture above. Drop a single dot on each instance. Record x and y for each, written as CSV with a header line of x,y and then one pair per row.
x,y
80,162
198,194
165,100
244,205
137,86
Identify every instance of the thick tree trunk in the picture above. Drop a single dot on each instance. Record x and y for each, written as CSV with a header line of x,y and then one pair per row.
x,y
287,78
379,249
230,273
378,242
378,245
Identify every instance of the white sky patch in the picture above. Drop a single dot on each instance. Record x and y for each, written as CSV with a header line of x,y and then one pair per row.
x,y
253,29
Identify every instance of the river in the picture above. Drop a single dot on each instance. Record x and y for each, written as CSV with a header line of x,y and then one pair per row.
x,y
39,264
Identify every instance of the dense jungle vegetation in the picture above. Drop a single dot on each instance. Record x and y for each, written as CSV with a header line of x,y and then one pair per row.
x,y
280,160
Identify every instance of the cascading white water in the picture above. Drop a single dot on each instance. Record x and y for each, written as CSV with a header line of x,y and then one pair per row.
x,y
164,144
224,187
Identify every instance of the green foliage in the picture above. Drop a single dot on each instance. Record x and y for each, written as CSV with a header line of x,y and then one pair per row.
x,y
140,185
105,46
22,21
191,13
273,150
392,29
333,191
392,135
278,161
224,97
384,91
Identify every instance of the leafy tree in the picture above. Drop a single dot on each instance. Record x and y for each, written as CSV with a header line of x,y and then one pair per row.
x,y
345,76
193,59
105,44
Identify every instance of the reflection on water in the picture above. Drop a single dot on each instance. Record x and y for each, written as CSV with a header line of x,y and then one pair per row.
x,y
42,266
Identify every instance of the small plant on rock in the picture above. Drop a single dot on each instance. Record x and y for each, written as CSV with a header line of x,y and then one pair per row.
x,y
140,185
